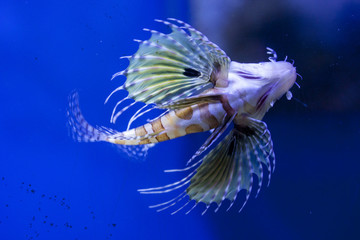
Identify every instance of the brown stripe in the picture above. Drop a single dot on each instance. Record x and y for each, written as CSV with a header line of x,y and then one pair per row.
x,y
145,141
207,117
194,128
140,131
184,113
162,137
157,126
226,105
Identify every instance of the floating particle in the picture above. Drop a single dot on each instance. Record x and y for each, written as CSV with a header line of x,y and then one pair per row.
x,y
29,185
43,195
6,205
32,190
51,224
3,178
114,224
33,218
85,228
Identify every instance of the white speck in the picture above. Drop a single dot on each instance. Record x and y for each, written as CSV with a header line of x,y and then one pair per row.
x,y
288,95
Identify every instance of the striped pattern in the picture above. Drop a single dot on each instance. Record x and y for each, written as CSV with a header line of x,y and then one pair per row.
x,y
186,74
226,170
177,123
171,67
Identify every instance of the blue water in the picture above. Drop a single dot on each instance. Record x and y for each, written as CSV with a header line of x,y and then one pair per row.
x,y
54,188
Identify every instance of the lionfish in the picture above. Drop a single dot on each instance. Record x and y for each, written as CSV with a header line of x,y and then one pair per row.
x,y
199,89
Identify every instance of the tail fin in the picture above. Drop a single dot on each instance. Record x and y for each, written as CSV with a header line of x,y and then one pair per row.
x,y
80,129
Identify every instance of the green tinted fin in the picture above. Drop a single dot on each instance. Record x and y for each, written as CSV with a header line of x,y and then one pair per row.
x,y
174,66
227,169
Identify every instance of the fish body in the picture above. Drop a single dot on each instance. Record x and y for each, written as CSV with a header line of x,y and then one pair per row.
x,y
200,89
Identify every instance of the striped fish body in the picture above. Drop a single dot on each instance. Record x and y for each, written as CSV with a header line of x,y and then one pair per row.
x,y
200,89
177,123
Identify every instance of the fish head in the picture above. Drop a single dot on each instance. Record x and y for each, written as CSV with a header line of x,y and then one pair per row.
x,y
261,84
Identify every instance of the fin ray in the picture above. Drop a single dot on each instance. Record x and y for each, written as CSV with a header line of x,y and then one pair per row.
x,y
229,167
174,66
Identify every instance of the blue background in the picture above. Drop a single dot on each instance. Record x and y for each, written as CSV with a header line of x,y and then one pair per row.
x,y
54,188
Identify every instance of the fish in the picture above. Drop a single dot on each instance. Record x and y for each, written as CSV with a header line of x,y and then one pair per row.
x,y
199,89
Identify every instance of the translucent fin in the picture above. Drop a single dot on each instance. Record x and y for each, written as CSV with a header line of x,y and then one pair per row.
x,y
135,152
229,167
173,66
80,129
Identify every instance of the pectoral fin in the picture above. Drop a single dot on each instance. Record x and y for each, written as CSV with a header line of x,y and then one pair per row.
x,y
228,168
170,67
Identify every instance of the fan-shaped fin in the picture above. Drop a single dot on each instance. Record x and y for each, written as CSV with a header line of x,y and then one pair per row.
x,y
230,166
173,66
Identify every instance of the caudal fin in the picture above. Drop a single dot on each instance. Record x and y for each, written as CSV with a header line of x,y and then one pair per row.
x,y
80,129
